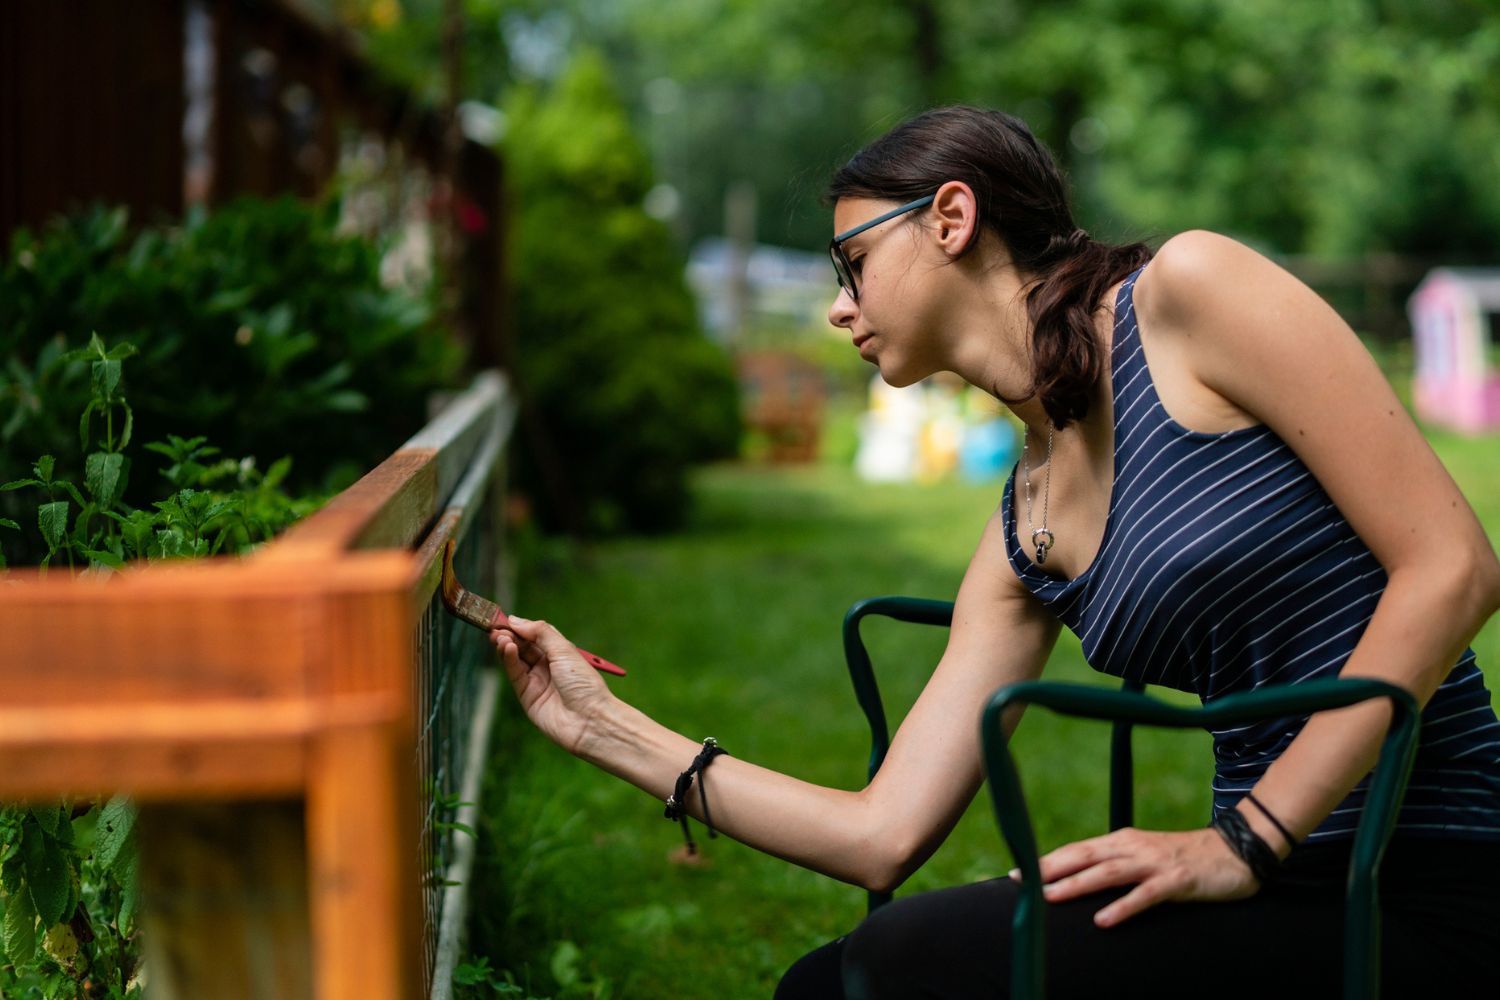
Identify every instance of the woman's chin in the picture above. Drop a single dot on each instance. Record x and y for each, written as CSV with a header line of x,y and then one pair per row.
x,y
897,377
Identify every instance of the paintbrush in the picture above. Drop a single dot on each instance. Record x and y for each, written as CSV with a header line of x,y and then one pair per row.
x,y
488,615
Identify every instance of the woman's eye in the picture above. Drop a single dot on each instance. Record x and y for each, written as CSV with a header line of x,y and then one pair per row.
x,y
857,265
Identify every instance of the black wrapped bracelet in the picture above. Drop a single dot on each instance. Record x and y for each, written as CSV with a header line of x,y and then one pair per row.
x,y
1247,845
1285,833
675,810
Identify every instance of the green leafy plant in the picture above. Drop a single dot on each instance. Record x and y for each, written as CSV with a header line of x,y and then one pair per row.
x,y
214,506
68,889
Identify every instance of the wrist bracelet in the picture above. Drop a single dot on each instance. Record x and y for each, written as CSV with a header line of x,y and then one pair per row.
x,y
1290,840
675,809
1247,845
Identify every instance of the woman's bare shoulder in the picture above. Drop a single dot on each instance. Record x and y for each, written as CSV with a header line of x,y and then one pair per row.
x,y
1193,269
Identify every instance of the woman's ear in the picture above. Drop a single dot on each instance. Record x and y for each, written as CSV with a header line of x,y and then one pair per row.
x,y
956,212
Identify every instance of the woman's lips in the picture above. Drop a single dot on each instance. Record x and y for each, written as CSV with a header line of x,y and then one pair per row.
x,y
859,340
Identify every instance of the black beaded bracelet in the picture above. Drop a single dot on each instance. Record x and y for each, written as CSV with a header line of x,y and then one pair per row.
x,y
1247,845
675,810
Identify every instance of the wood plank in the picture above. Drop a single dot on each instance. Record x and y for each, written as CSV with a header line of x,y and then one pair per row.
x,y
165,751
211,630
226,894
388,508
362,850
484,474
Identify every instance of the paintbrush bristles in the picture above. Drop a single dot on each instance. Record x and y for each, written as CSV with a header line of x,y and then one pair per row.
x,y
470,607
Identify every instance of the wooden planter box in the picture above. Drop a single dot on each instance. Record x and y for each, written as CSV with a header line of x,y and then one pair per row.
x,y
276,717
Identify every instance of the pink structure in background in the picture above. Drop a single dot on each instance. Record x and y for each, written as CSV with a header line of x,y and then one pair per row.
x,y
1455,318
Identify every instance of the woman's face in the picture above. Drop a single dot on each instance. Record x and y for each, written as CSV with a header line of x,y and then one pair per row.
x,y
889,320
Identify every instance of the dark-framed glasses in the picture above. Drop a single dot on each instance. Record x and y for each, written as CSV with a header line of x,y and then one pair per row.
x,y
841,264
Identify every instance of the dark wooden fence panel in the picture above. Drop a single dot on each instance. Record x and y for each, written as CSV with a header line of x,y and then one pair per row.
x,y
91,106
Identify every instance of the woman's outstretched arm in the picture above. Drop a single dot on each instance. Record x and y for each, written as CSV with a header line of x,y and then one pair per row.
x,y
874,837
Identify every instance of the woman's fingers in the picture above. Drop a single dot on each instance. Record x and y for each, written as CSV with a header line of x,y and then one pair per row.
x,y
1077,856
1142,897
516,667
531,653
1096,878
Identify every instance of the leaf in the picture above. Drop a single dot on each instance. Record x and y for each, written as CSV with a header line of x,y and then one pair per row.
x,y
130,891
43,469
6,522
48,817
104,558
129,425
106,378
47,874
52,518
122,350
12,868
72,490
347,401
170,543
277,472
221,507
62,944
20,928
116,821
104,476
16,484
83,424
565,963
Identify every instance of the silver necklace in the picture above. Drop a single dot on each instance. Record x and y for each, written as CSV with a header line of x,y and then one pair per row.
x,y
1041,537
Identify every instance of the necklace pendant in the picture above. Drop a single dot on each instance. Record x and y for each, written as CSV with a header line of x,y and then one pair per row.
x,y
1043,540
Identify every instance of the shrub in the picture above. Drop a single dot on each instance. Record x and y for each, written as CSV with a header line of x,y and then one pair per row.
x,y
610,359
258,326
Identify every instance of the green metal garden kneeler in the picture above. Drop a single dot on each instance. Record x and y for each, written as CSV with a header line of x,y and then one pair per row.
x,y
924,611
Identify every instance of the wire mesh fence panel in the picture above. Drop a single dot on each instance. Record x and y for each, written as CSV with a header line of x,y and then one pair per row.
x,y
449,656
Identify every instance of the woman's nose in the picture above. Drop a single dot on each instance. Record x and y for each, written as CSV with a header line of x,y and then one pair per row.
x,y
844,310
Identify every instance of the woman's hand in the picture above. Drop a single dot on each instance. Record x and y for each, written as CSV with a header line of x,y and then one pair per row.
x,y
1188,865
557,688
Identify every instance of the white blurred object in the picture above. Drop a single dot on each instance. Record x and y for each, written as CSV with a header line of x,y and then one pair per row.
x,y
889,432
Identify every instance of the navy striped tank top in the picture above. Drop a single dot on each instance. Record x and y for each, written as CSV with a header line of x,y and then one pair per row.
x,y
1225,566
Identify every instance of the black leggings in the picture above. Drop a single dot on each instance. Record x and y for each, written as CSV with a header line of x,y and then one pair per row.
x,y
1440,937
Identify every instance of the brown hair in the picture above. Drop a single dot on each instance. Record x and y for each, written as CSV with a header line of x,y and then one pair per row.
x,y
1024,201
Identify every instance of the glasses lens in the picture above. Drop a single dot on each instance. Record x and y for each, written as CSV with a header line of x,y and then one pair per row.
x,y
842,269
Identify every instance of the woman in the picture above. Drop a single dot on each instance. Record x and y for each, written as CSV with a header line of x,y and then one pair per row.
x,y
1218,490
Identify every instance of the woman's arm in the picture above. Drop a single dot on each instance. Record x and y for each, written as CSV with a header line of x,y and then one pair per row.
x,y
1268,345
874,837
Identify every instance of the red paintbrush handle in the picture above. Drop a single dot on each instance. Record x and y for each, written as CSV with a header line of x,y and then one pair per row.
x,y
600,663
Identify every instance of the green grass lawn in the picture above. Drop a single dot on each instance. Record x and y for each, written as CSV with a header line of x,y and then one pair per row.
x,y
731,629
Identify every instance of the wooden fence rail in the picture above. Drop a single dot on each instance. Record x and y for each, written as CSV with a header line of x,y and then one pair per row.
x,y
291,723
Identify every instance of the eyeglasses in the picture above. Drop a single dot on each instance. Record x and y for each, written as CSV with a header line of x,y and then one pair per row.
x,y
841,263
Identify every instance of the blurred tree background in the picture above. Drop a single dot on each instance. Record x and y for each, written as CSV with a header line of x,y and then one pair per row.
x,y
1338,128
